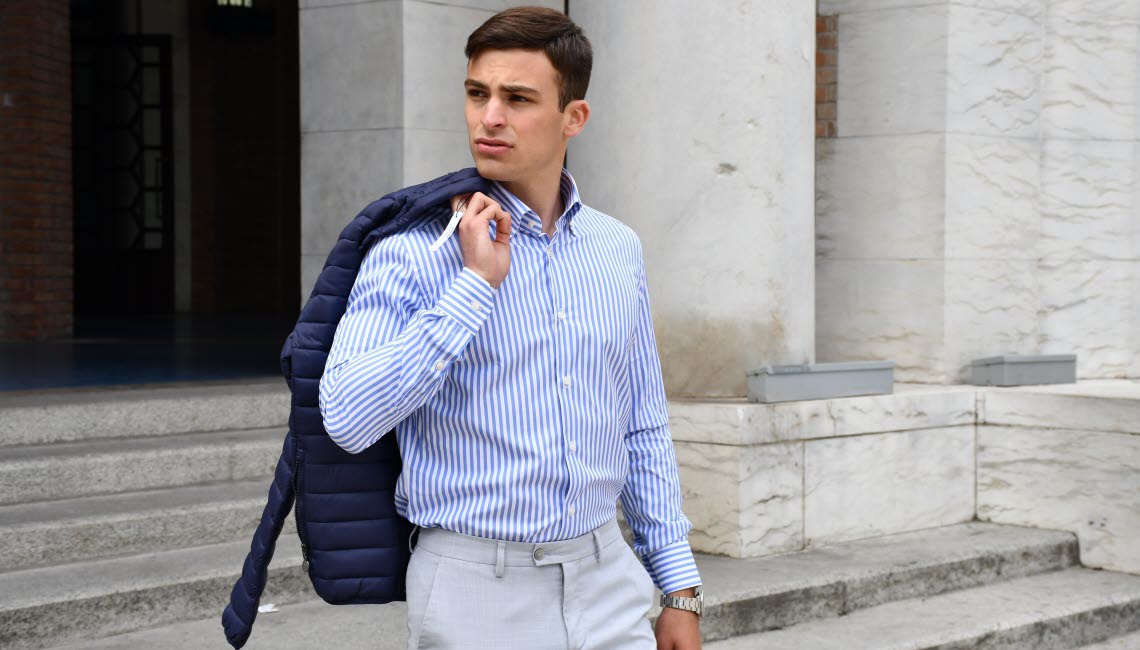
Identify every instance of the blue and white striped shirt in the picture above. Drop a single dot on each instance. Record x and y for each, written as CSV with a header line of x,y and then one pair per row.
x,y
524,412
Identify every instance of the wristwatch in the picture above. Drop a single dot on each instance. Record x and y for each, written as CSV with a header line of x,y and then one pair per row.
x,y
690,604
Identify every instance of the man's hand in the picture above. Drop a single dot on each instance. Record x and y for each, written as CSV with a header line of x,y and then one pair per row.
x,y
490,258
678,629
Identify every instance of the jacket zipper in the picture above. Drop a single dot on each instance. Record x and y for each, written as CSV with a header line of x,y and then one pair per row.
x,y
298,464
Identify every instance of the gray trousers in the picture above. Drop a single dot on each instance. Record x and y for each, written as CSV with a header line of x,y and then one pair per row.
x,y
471,592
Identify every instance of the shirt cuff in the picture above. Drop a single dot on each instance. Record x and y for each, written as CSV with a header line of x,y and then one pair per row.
x,y
468,300
672,567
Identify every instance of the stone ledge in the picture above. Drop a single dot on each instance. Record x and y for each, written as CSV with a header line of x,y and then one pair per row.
x,y
741,422
85,414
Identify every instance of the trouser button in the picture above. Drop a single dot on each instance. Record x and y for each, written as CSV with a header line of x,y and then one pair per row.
x,y
539,553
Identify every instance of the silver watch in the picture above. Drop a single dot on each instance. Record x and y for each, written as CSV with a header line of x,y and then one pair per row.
x,y
689,604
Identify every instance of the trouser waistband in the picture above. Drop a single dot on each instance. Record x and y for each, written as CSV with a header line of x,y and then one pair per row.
x,y
504,553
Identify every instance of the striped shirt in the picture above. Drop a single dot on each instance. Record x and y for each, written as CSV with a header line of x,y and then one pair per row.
x,y
523,412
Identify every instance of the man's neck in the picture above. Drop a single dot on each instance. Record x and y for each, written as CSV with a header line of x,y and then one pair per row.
x,y
543,195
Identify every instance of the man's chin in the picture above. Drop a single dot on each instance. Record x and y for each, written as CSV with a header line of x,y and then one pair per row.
x,y
492,170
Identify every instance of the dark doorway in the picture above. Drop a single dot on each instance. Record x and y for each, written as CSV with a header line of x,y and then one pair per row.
x,y
122,155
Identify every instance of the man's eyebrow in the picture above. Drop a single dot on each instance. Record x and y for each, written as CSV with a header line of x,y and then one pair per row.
x,y
516,88
508,88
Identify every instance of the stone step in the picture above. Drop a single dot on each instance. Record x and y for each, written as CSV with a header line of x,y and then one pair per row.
x,y
40,417
86,528
89,600
746,596
66,470
1124,642
1059,609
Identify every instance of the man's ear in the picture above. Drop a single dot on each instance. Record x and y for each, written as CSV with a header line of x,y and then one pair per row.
x,y
577,114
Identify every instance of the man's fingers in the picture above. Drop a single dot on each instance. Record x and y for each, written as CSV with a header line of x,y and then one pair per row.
x,y
502,226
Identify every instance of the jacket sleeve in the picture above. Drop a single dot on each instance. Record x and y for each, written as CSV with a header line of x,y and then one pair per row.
x,y
651,498
392,350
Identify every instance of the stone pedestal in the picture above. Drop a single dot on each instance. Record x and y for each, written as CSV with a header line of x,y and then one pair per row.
x,y
381,105
760,479
980,196
701,141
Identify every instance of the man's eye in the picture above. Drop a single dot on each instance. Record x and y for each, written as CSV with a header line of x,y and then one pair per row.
x,y
474,93
519,98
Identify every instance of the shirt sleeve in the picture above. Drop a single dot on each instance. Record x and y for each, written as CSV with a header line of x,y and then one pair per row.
x,y
392,349
651,499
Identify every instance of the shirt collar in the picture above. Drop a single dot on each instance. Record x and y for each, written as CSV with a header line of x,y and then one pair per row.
x,y
523,218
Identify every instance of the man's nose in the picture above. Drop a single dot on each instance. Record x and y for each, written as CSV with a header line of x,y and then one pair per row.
x,y
494,114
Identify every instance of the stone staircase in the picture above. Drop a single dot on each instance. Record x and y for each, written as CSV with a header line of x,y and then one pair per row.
x,y
130,508
125,516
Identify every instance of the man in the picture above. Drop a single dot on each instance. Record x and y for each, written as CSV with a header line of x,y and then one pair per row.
x,y
519,370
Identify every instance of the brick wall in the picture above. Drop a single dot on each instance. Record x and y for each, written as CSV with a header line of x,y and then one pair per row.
x,y
826,67
35,170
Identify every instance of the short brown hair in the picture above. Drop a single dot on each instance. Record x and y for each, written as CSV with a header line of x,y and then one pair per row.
x,y
540,28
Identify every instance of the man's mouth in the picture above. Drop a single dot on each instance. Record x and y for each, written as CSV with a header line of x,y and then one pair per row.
x,y
491,146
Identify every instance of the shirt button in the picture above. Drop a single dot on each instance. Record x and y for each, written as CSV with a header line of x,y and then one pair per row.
x,y
561,315
549,253
539,553
476,306
439,365
566,380
573,446
571,510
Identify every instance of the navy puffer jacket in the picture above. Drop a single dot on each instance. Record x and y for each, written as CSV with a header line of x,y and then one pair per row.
x,y
353,541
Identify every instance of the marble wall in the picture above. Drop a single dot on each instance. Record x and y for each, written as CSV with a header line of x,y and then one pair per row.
x,y
381,104
701,141
759,479
1069,460
981,197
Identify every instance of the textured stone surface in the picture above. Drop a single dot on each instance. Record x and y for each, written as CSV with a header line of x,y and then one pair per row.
x,y
1083,481
90,414
83,601
981,196
1051,611
1107,405
85,528
741,422
742,501
70,469
743,595
692,170
871,485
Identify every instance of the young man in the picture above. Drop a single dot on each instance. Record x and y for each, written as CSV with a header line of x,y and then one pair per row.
x,y
517,365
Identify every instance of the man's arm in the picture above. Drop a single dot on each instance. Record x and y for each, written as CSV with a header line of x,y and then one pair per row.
x,y
651,500
391,350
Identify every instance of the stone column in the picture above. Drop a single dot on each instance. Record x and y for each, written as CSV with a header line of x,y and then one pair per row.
x,y
980,196
381,105
701,141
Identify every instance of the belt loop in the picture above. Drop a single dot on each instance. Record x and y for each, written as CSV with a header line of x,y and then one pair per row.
x,y
597,546
500,557
415,529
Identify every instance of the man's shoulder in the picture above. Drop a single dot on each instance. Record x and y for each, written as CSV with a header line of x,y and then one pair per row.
x,y
608,227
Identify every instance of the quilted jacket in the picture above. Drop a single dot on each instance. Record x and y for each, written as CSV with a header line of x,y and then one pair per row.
x,y
353,542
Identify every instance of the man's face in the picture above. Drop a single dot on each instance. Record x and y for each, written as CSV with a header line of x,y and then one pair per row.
x,y
514,127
